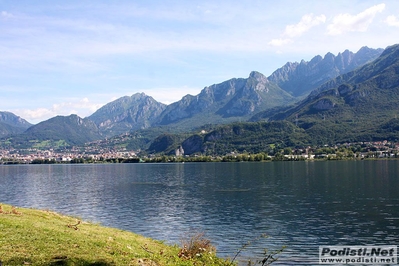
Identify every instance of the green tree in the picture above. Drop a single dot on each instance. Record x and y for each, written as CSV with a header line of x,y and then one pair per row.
x,y
287,151
278,157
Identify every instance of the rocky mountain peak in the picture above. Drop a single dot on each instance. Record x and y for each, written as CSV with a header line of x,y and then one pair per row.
x,y
127,113
230,100
391,50
346,53
365,50
329,56
258,76
315,60
138,96
300,79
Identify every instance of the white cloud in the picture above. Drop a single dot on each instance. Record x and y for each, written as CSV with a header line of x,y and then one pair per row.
x,y
171,95
307,22
86,45
37,114
82,50
360,22
392,21
82,107
5,14
279,42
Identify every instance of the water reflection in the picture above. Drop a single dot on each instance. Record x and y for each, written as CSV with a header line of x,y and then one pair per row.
x,y
298,204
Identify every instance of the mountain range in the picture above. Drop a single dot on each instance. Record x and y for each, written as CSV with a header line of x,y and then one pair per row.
x,y
299,79
228,101
358,106
305,93
236,99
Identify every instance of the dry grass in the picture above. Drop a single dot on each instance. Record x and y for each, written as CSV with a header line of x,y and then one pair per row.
x,y
195,245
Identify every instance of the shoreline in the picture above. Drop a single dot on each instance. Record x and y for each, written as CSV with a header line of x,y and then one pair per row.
x,y
190,160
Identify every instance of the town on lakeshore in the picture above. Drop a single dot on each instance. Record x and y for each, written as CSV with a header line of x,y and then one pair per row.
x,y
90,154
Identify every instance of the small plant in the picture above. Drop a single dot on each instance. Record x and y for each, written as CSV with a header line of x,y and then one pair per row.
x,y
13,211
195,245
268,257
74,226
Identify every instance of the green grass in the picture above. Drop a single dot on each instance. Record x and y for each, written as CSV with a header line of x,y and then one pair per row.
x,y
40,237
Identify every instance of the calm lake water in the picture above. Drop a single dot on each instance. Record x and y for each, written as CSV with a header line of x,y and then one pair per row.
x,y
298,204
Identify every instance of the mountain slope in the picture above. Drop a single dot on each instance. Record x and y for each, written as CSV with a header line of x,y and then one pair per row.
x,y
354,106
126,114
60,130
228,101
12,124
235,137
301,78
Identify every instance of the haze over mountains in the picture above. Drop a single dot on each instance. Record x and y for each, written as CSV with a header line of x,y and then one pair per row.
x,y
350,85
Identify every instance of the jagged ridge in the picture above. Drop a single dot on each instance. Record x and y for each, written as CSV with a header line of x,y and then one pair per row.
x,y
228,101
301,78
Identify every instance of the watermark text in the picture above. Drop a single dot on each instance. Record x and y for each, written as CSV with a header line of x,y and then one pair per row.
x,y
358,255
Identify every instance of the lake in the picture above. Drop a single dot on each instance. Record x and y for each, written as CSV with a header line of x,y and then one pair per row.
x,y
297,204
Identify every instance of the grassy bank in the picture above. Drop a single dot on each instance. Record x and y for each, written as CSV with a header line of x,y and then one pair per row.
x,y
39,237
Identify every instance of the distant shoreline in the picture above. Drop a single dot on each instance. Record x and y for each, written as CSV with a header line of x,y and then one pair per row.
x,y
190,160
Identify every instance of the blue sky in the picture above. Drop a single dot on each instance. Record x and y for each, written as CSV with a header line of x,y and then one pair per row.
x,y
64,57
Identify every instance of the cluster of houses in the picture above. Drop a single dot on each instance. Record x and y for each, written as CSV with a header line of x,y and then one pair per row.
x,y
361,150
30,155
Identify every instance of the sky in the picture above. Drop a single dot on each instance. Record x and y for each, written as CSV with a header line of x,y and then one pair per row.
x,y
72,57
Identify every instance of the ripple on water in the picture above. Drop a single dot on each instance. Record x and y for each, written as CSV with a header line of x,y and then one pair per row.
x,y
301,205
